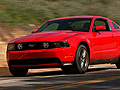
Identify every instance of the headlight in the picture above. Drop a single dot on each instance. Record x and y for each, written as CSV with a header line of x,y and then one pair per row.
x,y
61,44
48,45
11,47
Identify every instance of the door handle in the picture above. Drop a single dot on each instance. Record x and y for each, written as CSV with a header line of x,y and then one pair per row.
x,y
113,36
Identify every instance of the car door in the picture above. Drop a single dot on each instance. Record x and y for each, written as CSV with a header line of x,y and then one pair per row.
x,y
104,45
116,32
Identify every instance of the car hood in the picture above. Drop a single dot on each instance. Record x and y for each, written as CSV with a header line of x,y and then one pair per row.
x,y
48,36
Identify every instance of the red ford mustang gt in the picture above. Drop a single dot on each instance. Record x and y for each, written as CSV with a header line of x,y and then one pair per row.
x,y
71,43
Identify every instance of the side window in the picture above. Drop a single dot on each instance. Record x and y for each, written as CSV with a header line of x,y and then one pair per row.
x,y
99,23
115,25
52,27
102,23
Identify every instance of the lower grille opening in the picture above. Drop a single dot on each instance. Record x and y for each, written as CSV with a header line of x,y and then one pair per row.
x,y
34,61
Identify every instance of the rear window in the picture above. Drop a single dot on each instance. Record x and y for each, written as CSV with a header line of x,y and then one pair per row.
x,y
115,25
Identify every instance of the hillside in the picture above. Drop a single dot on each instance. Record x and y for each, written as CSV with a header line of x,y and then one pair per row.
x,y
20,17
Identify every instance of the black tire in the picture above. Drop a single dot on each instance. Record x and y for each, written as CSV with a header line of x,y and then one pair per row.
x,y
18,72
118,64
81,60
67,69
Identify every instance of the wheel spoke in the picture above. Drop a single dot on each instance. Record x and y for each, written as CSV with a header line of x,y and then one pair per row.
x,y
82,57
84,65
84,54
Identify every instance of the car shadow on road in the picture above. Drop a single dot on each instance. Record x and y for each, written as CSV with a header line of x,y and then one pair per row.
x,y
60,72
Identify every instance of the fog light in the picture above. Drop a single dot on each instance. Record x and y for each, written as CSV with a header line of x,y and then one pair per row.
x,y
20,46
45,44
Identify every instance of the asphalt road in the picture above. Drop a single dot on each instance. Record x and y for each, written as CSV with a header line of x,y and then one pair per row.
x,y
97,78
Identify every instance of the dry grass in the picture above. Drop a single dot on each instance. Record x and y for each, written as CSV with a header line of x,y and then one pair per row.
x,y
22,12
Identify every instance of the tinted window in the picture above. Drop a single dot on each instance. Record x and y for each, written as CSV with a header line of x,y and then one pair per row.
x,y
115,25
77,24
101,22
52,27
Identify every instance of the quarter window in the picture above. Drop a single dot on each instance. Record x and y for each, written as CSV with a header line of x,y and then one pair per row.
x,y
115,25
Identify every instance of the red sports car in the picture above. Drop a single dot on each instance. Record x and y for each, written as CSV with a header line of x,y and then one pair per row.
x,y
71,43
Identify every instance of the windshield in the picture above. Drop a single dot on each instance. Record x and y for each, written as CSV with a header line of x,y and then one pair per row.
x,y
77,24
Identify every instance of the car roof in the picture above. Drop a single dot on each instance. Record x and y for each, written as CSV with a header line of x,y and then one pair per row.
x,y
78,17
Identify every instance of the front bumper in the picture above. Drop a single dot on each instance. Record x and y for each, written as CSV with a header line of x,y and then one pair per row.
x,y
41,57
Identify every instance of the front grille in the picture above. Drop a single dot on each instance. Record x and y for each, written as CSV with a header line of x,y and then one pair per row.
x,y
33,46
34,61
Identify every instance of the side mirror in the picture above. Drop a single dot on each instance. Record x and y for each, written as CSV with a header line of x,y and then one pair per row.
x,y
98,28
34,31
